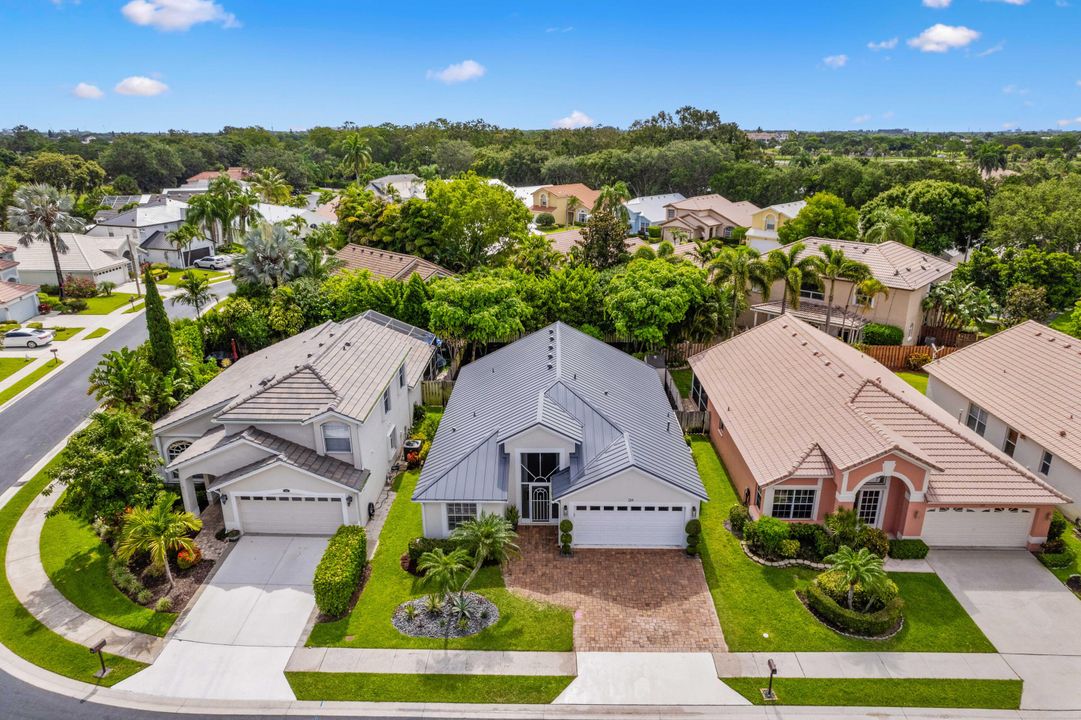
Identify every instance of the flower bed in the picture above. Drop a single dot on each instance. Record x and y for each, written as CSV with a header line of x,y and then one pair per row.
x,y
423,621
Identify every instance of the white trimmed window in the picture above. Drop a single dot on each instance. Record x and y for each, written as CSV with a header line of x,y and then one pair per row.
x,y
458,513
1010,446
336,438
175,448
771,222
793,504
1045,463
401,376
977,419
386,400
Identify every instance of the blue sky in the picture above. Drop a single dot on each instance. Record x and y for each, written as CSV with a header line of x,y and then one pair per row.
x,y
202,64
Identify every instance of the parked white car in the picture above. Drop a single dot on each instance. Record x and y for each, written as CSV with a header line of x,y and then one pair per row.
x,y
213,262
27,338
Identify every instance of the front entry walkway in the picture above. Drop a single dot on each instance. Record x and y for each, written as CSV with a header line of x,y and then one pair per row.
x,y
624,600
237,638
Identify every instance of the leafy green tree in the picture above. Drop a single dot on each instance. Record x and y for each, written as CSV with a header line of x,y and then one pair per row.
x,y
71,172
453,157
569,293
152,163
648,299
859,567
39,214
478,308
948,215
489,537
665,251
106,467
741,269
237,319
272,257
194,292
536,256
825,216
796,269
479,221
162,348
957,304
1046,215
887,224
835,266
411,307
997,272
1024,302
124,380
158,531
604,242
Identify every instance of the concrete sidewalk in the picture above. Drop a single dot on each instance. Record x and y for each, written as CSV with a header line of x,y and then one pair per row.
x,y
972,666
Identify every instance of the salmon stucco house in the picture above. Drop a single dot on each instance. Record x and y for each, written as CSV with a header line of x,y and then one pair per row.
x,y
807,424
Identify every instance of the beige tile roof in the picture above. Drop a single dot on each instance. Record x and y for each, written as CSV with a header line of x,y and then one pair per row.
x,y
387,264
795,400
83,255
1030,377
738,212
566,240
297,456
893,264
234,173
10,291
587,195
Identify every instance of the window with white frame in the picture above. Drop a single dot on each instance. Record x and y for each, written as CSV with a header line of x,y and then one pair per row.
x,y
336,438
1045,463
977,419
793,504
669,213
1010,445
811,290
386,400
582,216
771,222
401,376
458,513
175,448
728,231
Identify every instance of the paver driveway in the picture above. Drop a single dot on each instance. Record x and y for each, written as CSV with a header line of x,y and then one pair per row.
x,y
237,639
624,600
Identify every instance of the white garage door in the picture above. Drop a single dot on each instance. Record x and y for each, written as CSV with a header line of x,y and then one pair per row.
x,y
977,527
285,515
629,526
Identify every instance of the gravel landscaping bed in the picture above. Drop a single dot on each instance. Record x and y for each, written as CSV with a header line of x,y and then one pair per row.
x,y
427,624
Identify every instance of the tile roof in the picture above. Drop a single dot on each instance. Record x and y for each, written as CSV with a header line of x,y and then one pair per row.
x,y
738,212
794,399
610,404
566,240
341,367
1030,377
10,291
387,264
83,254
893,264
8,264
587,195
814,312
234,173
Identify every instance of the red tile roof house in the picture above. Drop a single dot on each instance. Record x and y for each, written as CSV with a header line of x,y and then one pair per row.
x,y
705,216
806,424
1021,390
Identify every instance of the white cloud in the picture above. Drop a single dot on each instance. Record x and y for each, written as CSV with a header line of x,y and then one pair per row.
x,y
860,119
1009,126
1079,83
941,38
170,15
1012,89
938,4
1074,121
86,91
140,85
835,62
559,29
1013,2
883,45
576,119
991,50
458,72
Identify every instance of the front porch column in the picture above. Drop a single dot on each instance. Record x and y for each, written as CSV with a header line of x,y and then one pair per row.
x,y
187,493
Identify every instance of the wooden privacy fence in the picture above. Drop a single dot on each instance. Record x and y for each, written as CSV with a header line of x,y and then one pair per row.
x,y
436,392
678,353
895,357
948,336
693,421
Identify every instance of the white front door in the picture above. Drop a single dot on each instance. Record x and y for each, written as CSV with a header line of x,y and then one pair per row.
x,y
645,526
977,527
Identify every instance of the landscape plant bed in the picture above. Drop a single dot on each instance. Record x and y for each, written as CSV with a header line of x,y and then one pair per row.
x,y
848,633
884,692
185,582
403,688
444,623
793,562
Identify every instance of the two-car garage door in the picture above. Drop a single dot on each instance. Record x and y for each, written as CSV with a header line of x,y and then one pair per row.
x,y
629,526
288,515
977,527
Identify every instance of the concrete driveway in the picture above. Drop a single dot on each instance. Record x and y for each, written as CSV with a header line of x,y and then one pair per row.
x,y
237,638
1016,601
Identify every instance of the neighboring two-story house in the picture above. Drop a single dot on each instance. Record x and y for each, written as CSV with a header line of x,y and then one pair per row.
x,y
649,211
705,216
762,234
570,204
907,273
561,425
300,437
1021,390
146,228
18,302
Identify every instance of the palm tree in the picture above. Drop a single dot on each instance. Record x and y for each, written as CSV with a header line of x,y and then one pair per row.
x,y
611,198
443,570
860,567
194,292
317,264
39,213
182,239
835,266
866,292
489,537
270,185
890,224
121,380
955,304
742,269
796,271
573,203
204,214
704,251
296,224
246,210
158,530
991,156
272,257
356,155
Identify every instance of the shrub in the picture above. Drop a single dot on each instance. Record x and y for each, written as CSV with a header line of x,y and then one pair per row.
x,y
123,578
565,526
917,360
911,549
73,306
1057,527
833,583
546,220
50,289
878,334
815,543
654,232
339,571
163,605
143,597
35,325
1057,560
789,548
565,538
186,560
512,516
874,540
106,288
873,624
765,535
693,527
738,517
44,308
420,545
79,287
693,542
565,549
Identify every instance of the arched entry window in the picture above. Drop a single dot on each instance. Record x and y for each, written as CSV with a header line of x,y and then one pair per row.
x,y
175,448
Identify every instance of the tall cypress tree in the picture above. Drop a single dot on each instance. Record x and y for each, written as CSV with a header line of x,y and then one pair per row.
x,y
162,349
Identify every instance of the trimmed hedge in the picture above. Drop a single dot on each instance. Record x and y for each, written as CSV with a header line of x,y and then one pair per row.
x,y
911,549
765,535
874,624
738,517
420,545
340,570
879,334
1057,560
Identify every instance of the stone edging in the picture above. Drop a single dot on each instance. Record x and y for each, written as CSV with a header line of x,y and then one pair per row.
x,y
794,562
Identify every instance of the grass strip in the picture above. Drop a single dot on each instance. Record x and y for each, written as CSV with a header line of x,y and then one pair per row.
x,y
884,692
100,332
16,388
60,334
29,639
917,380
10,365
390,687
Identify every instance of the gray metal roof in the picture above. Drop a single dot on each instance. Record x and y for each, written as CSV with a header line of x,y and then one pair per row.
x,y
612,406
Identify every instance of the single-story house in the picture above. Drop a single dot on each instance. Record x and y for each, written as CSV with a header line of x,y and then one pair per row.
x,y
649,210
387,264
705,216
560,425
18,302
299,438
807,424
762,234
84,259
1021,390
398,188
277,214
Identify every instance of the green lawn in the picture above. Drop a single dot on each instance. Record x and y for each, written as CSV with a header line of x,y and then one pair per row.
x,y
135,308
13,390
100,332
174,276
1074,544
9,366
28,638
77,563
65,333
523,624
885,692
759,610
554,229
102,305
388,687
682,379
1063,323
917,380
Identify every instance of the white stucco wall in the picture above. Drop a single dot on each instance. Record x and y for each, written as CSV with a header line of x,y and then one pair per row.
x,y
20,310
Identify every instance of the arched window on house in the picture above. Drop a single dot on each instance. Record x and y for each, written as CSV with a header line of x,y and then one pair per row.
x,y
175,448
